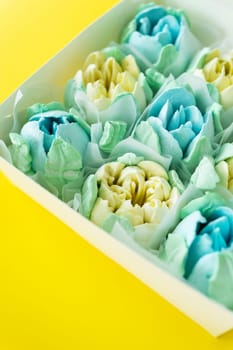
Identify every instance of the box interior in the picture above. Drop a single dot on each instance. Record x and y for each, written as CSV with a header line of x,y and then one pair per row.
x,y
48,83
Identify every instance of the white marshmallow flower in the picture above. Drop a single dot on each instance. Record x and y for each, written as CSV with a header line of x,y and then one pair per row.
x,y
106,85
217,69
141,193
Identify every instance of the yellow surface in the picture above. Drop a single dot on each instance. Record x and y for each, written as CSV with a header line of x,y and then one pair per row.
x,y
56,291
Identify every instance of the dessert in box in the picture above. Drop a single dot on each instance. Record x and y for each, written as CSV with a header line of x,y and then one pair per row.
x,y
131,145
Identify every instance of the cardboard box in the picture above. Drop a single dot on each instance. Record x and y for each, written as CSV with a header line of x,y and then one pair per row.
x,y
210,27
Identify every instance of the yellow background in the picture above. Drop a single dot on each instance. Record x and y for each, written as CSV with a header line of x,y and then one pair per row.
x,y
56,291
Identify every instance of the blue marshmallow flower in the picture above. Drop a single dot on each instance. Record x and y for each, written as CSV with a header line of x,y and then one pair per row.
x,y
201,250
162,37
46,125
51,148
182,121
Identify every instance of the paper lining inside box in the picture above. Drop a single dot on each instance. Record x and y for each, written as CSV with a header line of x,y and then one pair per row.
x,y
212,316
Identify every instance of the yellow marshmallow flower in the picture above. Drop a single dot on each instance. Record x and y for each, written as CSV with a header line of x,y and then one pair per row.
x,y
104,78
225,172
218,70
141,193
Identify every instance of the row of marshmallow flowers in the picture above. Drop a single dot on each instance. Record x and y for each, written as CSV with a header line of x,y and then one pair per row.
x,y
140,195
181,122
108,94
52,149
137,193
139,201
180,125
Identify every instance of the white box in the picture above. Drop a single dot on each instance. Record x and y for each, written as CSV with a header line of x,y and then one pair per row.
x,y
211,21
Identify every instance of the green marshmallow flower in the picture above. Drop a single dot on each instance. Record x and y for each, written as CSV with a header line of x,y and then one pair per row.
x,y
201,248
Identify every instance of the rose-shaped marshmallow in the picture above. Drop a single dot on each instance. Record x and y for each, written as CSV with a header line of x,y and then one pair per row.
x,y
201,250
140,192
47,124
51,147
163,37
217,69
182,121
109,87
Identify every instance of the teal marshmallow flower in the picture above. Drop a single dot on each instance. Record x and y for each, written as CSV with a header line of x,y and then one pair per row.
x,y
201,248
51,148
44,127
182,121
161,39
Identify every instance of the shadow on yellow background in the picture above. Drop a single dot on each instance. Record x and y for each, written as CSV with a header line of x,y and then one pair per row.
x,y
58,292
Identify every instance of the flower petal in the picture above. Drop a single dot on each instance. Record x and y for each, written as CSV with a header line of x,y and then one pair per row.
x,y
152,13
176,96
175,59
199,89
100,211
189,226
166,114
198,148
39,108
226,151
124,105
145,133
148,45
174,253
205,176
63,164
172,24
169,145
20,153
218,288
193,115
203,271
227,229
183,135
88,196
113,133
200,246
131,145
35,138
85,107
74,134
